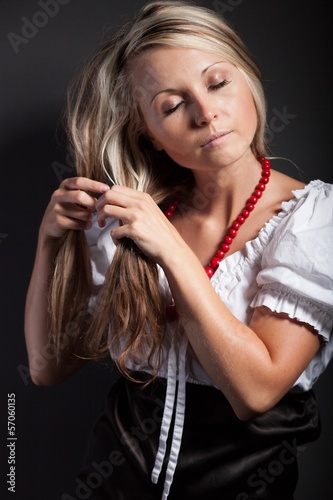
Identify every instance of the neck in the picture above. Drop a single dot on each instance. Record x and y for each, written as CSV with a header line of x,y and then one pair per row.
x,y
224,191
233,227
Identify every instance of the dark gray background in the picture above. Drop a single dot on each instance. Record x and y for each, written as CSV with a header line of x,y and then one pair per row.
x,y
291,42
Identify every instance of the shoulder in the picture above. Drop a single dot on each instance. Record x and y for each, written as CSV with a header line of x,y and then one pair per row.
x,y
310,206
307,218
316,190
297,199
300,251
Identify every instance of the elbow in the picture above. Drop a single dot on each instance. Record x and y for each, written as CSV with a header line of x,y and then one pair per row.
x,y
45,375
52,372
247,414
40,374
252,408
42,379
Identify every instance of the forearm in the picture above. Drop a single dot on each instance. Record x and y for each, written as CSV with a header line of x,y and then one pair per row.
x,y
43,364
232,354
222,344
70,208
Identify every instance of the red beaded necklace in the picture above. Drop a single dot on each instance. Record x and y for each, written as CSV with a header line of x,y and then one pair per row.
x,y
232,232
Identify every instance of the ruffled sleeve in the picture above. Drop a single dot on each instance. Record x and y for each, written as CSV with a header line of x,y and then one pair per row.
x,y
296,275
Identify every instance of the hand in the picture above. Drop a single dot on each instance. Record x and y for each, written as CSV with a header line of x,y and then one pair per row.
x,y
142,221
71,207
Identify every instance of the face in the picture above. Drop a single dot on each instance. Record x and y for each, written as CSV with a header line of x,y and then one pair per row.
x,y
196,107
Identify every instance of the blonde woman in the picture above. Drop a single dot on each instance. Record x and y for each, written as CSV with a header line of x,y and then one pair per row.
x,y
179,250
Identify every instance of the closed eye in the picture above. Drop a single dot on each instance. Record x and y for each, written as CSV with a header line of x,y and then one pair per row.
x,y
172,110
219,85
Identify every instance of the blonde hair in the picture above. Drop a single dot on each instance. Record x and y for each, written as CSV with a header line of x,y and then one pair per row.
x,y
108,141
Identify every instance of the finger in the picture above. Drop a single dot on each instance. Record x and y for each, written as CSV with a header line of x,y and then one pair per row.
x,y
73,211
114,212
114,204
124,197
85,184
119,233
76,197
66,223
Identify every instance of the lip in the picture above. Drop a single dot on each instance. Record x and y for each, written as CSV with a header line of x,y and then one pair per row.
x,y
215,139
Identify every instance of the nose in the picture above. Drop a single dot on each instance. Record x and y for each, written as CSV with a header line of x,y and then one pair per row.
x,y
204,111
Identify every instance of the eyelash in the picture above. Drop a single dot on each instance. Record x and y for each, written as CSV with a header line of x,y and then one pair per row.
x,y
219,85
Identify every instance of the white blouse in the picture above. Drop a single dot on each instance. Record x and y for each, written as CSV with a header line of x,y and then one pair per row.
x,y
288,268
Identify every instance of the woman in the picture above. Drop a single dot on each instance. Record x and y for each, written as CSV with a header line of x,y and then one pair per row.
x,y
182,253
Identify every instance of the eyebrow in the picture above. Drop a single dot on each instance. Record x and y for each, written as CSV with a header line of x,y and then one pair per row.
x,y
172,90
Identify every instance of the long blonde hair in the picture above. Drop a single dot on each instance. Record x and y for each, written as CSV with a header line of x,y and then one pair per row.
x,y
108,141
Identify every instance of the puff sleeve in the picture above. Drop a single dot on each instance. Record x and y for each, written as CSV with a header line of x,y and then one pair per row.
x,y
296,275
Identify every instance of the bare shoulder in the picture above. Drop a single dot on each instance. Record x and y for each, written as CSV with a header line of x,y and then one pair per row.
x,y
283,185
286,182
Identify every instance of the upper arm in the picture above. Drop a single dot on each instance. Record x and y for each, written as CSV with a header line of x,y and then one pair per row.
x,y
290,343
293,309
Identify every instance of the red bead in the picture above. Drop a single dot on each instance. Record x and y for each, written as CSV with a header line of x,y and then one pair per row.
x,y
209,271
232,233
265,162
227,240
215,262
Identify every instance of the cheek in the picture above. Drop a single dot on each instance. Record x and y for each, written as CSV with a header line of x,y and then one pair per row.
x,y
167,135
249,113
